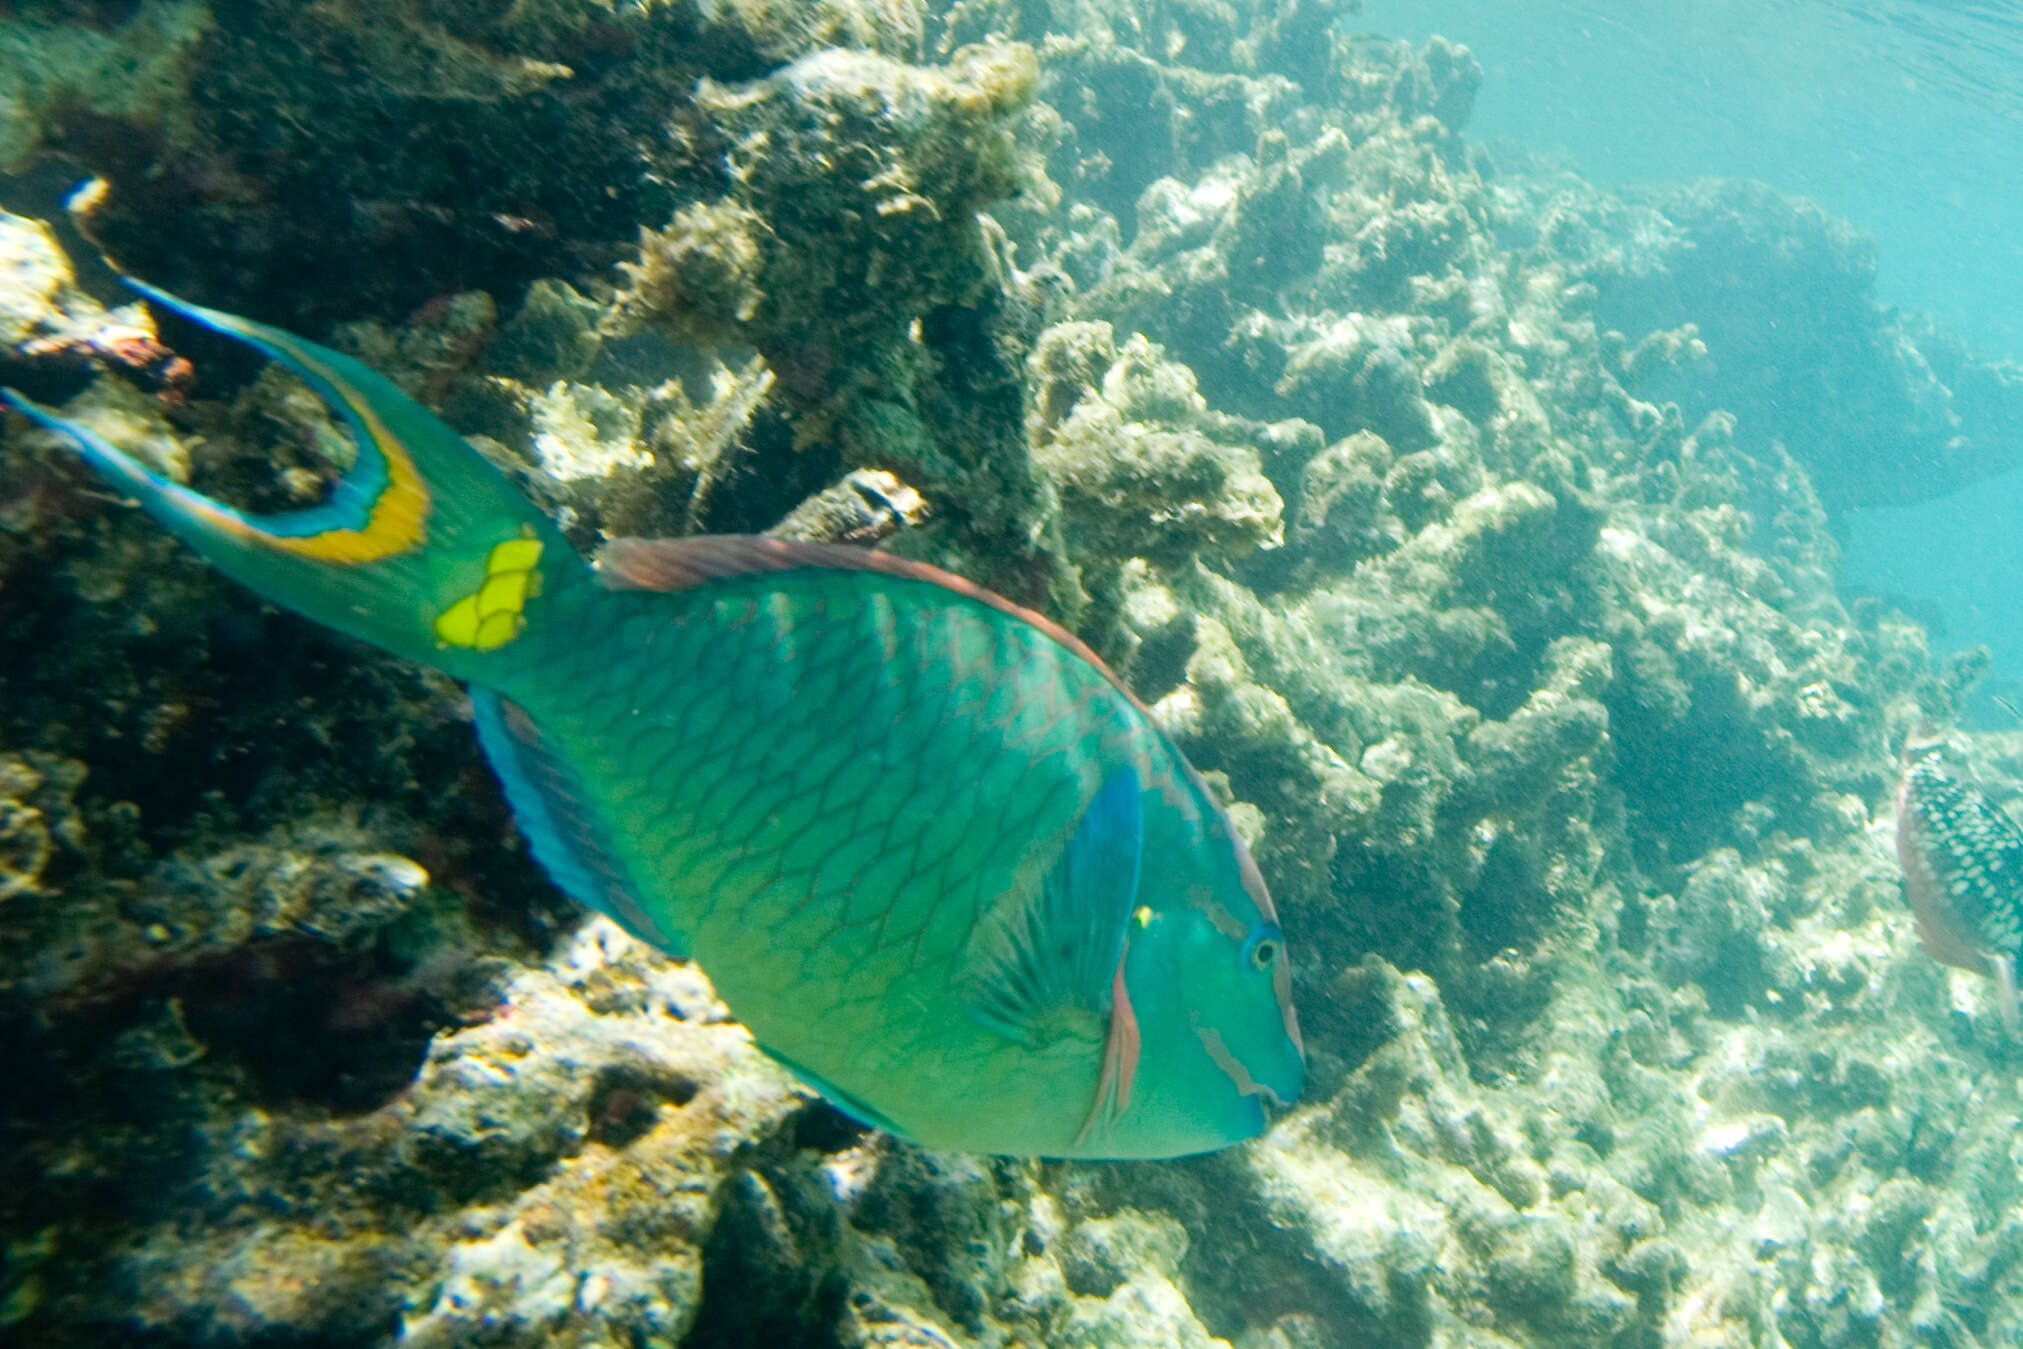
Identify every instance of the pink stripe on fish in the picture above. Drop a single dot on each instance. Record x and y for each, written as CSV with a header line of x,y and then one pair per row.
x,y
1232,1067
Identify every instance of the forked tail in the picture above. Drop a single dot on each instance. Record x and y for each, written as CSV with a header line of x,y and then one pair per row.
x,y
423,547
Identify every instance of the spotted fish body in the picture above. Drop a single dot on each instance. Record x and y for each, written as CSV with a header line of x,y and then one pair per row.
x,y
1963,874
930,851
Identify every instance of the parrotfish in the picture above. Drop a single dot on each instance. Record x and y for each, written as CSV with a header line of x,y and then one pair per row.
x,y
1963,873
931,852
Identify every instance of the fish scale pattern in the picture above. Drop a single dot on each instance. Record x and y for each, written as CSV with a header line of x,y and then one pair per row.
x,y
1973,853
824,780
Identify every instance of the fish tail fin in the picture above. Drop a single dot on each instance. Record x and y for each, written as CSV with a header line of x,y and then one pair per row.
x,y
423,547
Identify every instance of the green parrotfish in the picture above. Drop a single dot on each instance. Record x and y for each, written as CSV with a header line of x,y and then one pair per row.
x,y
1963,873
931,852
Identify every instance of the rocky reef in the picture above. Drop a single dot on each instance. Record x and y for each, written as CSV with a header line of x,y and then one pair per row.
x,y
1469,526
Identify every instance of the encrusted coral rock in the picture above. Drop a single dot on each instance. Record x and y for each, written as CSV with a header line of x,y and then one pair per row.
x,y
36,814
34,280
901,156
701,274
554,335
595,1111
1135,468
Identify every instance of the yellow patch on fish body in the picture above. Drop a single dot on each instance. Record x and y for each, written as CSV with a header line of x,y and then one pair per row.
x,y
491,615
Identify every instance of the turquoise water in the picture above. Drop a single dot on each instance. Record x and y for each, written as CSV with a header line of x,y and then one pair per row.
x,y
1901,117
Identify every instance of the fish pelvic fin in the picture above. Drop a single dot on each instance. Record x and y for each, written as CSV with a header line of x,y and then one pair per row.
x,y
422,547
2003,967
561,823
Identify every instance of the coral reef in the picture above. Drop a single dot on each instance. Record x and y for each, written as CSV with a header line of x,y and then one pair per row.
x,y
1468,525
1882,407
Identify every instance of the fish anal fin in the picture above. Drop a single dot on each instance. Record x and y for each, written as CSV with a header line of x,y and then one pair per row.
x,y
853,1106
1042,965
561,827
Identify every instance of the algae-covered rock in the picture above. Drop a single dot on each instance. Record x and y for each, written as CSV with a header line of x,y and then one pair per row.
x,y
1882,407
901,155
594,1110
59,76
849,252
1135,467
37,815
413,149
554,335
1146,1311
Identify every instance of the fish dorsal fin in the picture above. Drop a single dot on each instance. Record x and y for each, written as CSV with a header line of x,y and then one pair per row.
x,y
681,564
684,564
1045,964
561,826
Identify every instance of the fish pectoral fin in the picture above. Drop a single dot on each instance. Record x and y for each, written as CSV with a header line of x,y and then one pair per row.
x,y
561,826
1042,965
847,1102
1120,1063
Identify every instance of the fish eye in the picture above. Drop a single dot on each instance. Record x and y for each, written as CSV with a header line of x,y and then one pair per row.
x,y
1263,946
